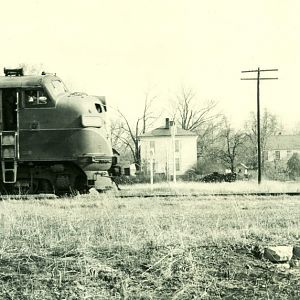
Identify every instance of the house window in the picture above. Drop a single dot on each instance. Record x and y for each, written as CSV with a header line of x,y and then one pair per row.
x,y
177,164
277,155
177,146
266,155
152,145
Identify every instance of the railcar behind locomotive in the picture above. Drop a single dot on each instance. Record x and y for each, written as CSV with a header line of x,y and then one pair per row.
x,y
52,140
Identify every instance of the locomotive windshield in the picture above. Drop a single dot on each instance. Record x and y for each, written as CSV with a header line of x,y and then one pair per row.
x,y
57,88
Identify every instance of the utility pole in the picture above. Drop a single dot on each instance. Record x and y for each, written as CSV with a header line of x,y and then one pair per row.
x,y
258,79
173,133
151,167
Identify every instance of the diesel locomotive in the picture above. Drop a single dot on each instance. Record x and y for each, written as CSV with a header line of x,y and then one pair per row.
x,y
52,140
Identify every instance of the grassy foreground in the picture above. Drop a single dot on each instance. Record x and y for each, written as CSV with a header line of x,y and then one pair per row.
x,y
102,247
182,187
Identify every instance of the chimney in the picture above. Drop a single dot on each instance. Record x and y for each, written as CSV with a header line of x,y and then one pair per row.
x,y
167,123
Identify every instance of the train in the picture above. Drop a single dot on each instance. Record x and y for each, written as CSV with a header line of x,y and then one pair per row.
x,y
52,140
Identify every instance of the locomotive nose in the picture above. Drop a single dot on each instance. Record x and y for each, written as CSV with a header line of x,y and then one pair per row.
x,y
91,148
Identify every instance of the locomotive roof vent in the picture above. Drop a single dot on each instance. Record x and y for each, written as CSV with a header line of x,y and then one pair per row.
x,y
14,72
46,73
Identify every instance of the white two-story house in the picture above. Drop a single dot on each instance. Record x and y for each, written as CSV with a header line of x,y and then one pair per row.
x,y
281,147
167,151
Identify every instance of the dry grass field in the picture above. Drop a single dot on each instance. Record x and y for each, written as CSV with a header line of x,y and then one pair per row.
x,y
105,247
211,188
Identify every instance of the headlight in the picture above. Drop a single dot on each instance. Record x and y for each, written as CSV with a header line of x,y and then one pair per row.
x,y
91,121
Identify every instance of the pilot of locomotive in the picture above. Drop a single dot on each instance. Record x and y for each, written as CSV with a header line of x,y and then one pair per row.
x,y
60,139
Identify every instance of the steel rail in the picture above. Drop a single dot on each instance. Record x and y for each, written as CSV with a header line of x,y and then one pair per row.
x,y
260,194
153,195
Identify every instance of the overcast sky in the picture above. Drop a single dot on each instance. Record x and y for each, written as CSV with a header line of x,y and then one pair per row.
x,y
123,48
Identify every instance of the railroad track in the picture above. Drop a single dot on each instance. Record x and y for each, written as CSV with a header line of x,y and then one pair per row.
x,y
154,195
27,197
260,194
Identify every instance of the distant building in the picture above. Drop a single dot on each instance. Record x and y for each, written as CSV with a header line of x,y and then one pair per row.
x,y
158,143
281,147
242,171
116,156
129,169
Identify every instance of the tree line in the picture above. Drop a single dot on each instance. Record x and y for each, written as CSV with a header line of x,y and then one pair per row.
x,y
219,146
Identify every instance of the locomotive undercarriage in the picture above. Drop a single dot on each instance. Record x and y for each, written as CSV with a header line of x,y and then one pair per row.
x,y
51,178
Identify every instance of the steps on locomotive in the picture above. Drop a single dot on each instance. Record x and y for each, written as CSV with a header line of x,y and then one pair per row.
x,y
9,156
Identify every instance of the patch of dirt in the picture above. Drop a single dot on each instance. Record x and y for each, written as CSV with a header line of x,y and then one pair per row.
x,y
152,272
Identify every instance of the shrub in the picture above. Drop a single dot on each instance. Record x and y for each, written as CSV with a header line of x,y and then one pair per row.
x,y
293,166
140,178
191,175
276,170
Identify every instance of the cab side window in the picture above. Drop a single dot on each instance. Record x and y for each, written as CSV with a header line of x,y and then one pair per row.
x,y
36,98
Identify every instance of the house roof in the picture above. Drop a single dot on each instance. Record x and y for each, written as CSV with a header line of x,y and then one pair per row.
x,y
283,142
115,152
243,165
163,131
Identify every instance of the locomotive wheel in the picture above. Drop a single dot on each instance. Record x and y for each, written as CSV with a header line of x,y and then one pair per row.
x,y
45,186
80,184
24,189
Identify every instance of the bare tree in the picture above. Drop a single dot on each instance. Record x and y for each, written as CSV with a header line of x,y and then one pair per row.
x,y
200,117
148,117
117,135
191,115
209,135
127,133
269,126
296,129
232,145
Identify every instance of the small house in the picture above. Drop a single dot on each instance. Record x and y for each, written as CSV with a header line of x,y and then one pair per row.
x,y
167,147
281,147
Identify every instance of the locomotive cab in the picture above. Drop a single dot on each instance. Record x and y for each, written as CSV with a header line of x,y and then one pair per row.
x,y
52,140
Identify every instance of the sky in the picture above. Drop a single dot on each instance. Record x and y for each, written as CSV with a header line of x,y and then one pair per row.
x,y
124,49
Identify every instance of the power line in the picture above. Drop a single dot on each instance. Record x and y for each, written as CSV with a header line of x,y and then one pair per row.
x,y
258,71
